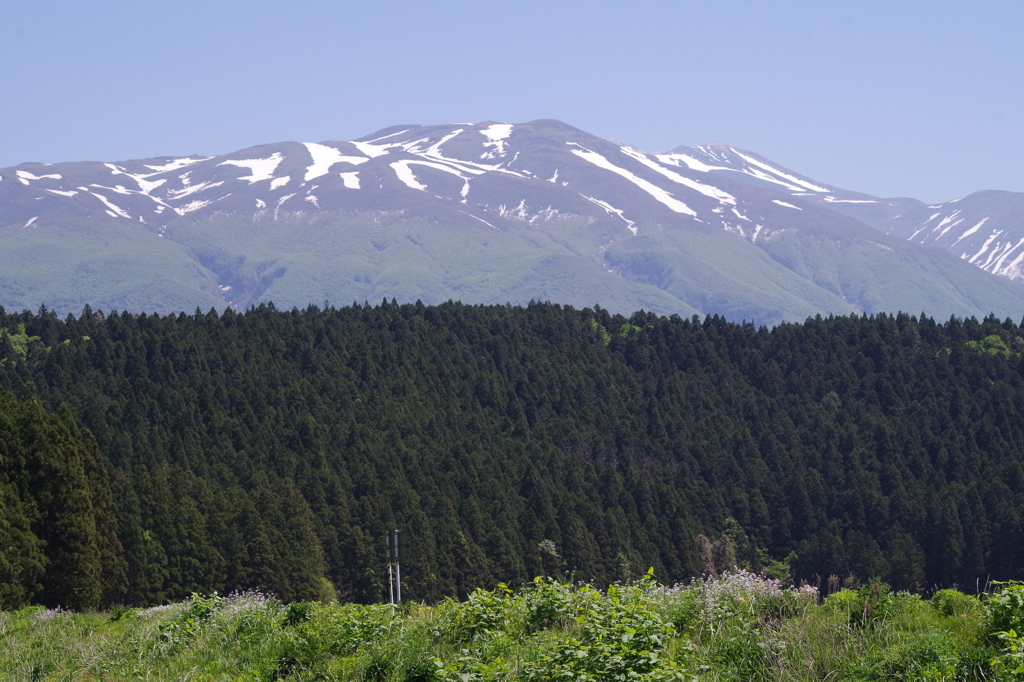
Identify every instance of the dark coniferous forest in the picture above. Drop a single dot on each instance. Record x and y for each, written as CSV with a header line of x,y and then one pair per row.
x,y
146,457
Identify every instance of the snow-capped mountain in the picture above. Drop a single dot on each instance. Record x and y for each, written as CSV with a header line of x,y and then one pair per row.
x,y
492,212
984,228
473,165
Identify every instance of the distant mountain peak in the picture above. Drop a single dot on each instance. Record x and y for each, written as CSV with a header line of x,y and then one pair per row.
x,y
494,212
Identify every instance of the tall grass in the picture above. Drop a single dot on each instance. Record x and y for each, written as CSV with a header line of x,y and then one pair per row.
x,y
737,626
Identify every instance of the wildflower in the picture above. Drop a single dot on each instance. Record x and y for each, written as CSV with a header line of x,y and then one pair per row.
x,y
156,610
50,614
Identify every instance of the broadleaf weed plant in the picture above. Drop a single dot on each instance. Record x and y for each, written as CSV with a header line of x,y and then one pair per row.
x,y
1004,620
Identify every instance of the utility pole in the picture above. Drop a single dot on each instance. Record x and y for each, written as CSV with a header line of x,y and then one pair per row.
x,y
392,543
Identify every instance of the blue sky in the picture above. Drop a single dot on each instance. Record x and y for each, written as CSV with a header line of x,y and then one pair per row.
x,y
908,98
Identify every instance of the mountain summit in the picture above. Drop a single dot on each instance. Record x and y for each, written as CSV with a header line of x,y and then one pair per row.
x,y
494,212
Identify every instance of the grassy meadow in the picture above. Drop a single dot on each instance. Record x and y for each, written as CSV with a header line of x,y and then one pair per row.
x,y
737,626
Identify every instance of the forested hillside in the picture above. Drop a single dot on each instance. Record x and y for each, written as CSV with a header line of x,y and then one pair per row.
x,y
57,517
275,448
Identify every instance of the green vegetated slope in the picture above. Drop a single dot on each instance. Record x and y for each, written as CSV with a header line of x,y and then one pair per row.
x,y
723,273
869,276
295,260
111,264
274,448
434,253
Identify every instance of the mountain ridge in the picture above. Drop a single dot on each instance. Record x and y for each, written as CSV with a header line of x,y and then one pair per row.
x,y
487,213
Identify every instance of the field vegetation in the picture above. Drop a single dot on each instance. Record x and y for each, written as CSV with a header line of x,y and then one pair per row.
x,y
734,626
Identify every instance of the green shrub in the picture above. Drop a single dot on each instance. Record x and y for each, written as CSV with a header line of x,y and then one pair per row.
x,y
953,603
1004,610
182,629
1004,620
480,617
616,636
871,604
552,630
120,611
1011,657
928,656
332,630
843,601
550,604
298,612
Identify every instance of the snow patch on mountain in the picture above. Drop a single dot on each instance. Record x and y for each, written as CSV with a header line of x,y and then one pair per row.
x,y
435,149
783,203
738,229
630,225
145,186
406,175
657,192
25,177
708,150
997,266
984,246
998,255
775,171
496,135
259,169
193,206
432,151
280,202
176,194
707,190
178,163
350,180
324,157
739,215
691,163
372,151
967,233
833,200
384,137
434,154
112,209
519,212
482,220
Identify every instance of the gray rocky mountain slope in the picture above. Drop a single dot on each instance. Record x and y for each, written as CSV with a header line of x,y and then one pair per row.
x,y
495,213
